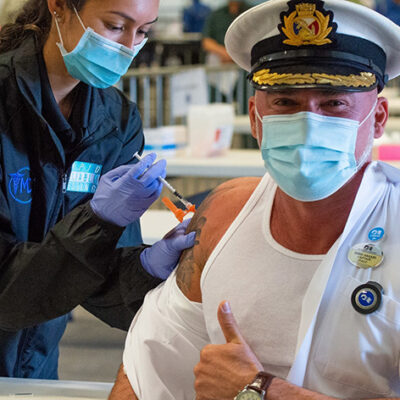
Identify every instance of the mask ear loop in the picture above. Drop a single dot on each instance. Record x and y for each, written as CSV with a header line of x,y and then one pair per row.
x,y
79,18
370,112
258,116
58,28
368,149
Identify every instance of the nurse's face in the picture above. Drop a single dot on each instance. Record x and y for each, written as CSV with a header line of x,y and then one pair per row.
x,y
351,105
124,21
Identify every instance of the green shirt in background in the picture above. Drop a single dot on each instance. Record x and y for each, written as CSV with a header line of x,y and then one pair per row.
x,y
218,23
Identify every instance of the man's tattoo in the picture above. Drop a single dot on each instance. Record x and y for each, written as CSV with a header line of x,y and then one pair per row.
x,y
187,266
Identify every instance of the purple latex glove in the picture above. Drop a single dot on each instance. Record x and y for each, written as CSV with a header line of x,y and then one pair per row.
x,y
126,192
160,259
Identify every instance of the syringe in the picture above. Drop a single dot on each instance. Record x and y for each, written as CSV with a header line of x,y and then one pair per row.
x,y
188,205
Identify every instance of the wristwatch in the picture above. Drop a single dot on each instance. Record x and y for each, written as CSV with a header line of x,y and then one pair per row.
x,y
257,390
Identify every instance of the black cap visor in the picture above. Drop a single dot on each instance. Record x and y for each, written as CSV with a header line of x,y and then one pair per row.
x,y
342,67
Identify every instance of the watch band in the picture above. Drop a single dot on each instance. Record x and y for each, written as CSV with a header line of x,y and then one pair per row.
x,y
261,382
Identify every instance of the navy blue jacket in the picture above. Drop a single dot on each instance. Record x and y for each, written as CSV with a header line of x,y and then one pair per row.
x,y
195,16
54,252
390,9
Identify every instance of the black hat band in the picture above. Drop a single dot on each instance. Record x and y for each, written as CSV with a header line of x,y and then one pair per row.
x,y
345,50
324,56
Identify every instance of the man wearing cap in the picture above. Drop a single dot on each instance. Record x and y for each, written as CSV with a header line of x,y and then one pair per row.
x,y
308,256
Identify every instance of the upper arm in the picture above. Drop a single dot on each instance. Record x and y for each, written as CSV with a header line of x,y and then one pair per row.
x,y
210,222
122,389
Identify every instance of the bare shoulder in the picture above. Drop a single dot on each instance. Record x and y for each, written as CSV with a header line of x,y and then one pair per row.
x,y
122,389
210,222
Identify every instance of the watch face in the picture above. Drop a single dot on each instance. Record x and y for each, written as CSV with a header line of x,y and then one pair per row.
x,y
248,394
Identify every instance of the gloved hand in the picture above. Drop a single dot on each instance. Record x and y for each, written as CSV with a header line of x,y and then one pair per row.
x,y
160,259
126,192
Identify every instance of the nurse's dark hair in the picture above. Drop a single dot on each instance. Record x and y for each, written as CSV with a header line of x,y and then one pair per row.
x,y
32,20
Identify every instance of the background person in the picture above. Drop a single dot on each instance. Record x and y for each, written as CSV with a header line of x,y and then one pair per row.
x,y
216,25
289,251
214,31
62,126
389,8
195,16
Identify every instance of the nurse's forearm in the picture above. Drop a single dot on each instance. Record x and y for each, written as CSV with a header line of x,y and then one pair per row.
x,y
41,281
283,390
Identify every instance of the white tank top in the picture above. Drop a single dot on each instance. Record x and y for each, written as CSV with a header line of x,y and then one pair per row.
x,y
267,283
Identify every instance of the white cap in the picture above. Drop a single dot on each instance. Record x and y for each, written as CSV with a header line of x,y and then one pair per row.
x,y
300,43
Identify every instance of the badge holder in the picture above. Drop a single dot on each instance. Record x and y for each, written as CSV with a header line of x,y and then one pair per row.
x,y
367,298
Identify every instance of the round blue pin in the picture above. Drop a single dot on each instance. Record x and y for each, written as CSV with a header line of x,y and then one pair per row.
x,y
367,298
376,234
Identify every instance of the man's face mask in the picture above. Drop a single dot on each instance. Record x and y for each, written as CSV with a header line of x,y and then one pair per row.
x,y
311,156
96,60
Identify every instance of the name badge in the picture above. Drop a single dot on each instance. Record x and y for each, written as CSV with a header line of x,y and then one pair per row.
x,y
84,177
365,255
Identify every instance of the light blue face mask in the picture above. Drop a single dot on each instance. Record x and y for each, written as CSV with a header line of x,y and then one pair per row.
x,y
310,156
96,60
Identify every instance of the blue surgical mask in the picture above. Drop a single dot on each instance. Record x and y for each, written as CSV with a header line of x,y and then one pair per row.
x,y
311,156
96,60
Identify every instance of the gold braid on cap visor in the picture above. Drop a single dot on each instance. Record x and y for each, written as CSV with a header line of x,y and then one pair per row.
x,y
264,77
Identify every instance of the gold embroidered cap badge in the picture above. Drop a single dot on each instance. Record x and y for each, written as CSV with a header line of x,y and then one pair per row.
x,y
307,23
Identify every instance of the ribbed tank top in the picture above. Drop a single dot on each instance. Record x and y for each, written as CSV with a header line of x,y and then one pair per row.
x,y
264,282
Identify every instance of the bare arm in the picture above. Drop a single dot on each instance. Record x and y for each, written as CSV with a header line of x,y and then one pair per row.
x,y
122,389
212,46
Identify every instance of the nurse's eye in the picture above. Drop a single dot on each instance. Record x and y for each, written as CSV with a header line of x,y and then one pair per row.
x,y
145,34
116,28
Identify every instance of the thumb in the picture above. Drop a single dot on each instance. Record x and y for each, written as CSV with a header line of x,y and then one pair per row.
x,y
228,324
137,170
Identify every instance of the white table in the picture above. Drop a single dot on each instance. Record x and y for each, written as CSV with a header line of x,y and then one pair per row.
x,y
156,223
28,389
234,163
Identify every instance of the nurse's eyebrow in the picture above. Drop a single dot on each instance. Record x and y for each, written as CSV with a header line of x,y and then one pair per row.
x,y
123,15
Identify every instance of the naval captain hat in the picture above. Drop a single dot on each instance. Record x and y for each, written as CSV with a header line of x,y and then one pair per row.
x,y
334,44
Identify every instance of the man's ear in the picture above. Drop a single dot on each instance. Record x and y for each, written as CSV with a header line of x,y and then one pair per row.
x,y
253,118
381,116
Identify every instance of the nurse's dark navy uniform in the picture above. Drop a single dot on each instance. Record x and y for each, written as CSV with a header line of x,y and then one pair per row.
x,y
49,169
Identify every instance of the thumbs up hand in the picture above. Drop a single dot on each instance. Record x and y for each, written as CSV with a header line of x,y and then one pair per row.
x,y
225,369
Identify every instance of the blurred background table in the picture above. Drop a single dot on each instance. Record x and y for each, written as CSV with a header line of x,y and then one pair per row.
x,y
51,389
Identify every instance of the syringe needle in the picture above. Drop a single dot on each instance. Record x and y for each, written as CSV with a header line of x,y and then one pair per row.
x,y
186,203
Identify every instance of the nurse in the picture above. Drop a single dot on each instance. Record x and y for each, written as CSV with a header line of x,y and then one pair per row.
x,y
308,255
70,197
